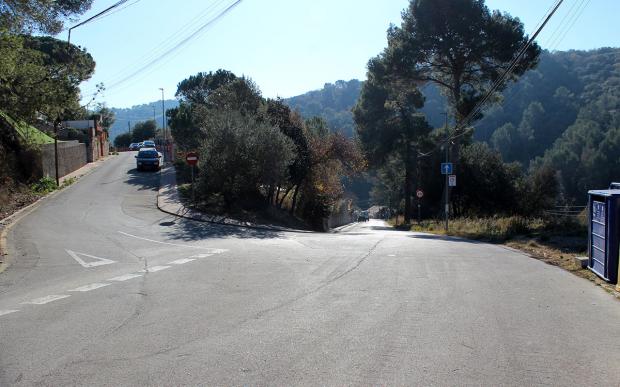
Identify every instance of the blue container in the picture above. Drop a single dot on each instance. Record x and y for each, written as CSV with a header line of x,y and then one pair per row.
x,y
604,232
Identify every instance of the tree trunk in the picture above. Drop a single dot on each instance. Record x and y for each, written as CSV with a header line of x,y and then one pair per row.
x,y
294,199
408,179
277,196
284,196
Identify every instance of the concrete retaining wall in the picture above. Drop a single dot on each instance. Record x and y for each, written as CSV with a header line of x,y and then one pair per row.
x,y
71,156
340,219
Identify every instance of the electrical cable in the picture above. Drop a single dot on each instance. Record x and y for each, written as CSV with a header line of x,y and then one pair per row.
x,y
178,45
163,46
584,4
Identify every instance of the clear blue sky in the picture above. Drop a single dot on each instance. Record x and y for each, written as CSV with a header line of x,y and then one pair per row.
x,y
287,47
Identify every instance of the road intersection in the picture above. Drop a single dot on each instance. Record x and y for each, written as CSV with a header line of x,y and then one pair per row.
x,y
105,289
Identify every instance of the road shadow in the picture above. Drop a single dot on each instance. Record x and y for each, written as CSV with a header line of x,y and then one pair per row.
x,y
446,238
144,180
188,230
383,228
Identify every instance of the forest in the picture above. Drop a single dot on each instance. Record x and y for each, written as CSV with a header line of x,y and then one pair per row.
x,y
564,114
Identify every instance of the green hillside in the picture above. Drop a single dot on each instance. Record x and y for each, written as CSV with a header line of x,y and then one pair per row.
x,y
565,114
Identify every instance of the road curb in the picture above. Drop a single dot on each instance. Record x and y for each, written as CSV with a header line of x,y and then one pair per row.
x,y
10,221
184,210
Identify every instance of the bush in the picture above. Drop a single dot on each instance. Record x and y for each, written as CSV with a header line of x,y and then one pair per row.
x,y
241,156
44,186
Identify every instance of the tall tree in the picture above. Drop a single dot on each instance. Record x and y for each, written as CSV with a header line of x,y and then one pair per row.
x,y
388,121
461,46
44,16
291,124
144,130
41,76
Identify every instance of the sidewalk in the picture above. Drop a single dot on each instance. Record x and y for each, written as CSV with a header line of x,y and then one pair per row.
x,y
169,201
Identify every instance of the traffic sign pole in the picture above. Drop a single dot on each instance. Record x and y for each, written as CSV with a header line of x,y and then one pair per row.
x,y
447,145
193,190
192,159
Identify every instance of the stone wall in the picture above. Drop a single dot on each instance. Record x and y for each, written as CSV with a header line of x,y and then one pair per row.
x,y
71,156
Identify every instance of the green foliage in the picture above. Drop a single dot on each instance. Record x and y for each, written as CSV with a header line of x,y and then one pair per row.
x,y
44,16
240,155
44,186
388,121
142,131
198,88
41,76
122,140
461,46
105,115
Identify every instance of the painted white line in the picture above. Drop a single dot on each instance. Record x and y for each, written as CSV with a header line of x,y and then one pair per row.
x,y
88,288
99,261
9,311
200,256
155,268
181,261
125,277
213,251
46,299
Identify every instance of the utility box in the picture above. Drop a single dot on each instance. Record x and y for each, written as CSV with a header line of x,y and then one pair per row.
x,y
604,232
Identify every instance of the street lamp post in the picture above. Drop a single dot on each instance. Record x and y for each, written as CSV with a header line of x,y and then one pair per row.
x,y
163,122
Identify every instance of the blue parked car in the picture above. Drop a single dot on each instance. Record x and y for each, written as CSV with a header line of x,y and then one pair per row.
x,y
148,158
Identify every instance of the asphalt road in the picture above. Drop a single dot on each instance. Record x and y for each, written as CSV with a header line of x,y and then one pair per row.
x,y
107,290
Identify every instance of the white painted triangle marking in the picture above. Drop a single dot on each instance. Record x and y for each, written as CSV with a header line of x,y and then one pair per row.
x,y
9,311
99,261
200,256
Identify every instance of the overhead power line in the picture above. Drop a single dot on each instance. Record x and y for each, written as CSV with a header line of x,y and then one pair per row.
x,y
174,48
99,15
163,46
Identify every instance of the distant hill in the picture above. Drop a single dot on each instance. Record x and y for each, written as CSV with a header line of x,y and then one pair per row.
x,y
335,100
138,113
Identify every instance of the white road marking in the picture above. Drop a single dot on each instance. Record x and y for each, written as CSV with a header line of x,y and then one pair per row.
x,y
199,256
9,311
46,299
88,288
391,255
125,277
154,269
99,262
213,251
181,261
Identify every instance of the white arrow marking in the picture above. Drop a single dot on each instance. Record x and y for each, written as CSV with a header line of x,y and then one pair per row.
x,y
99,262
213,251
153,269
88,288
46,299
182,261
125,277
200,256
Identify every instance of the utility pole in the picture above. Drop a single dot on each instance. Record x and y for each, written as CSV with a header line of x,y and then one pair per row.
x,y
163,125
56,124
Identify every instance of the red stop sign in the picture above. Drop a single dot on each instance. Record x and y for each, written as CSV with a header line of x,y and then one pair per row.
x,y
191,158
